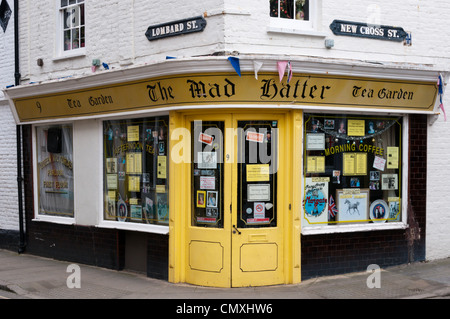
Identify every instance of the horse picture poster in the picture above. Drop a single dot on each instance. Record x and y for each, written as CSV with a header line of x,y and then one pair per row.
x,y
353,205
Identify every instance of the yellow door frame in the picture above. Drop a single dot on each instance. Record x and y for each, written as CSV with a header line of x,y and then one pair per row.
x,y
179,194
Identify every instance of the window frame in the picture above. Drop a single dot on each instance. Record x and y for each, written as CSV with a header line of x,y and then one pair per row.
x,y
41,217
345,228
300,27
60,53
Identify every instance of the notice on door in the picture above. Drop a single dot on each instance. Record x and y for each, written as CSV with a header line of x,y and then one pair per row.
x,y
258,173
258,192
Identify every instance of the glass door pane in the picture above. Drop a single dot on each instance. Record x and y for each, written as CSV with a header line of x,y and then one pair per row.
x,y
207,173
257,174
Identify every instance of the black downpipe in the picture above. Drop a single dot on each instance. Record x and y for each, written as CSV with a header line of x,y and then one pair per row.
x,y
22,245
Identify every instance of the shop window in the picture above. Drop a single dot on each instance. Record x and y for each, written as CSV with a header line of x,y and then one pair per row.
x,y
55,170
136,170
352,170
72,13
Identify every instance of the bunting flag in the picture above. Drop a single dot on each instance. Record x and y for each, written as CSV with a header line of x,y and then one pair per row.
x,y
257,66
441,95
289,72
281,69
235,63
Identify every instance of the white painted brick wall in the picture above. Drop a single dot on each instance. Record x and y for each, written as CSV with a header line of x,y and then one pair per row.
x,y
8,155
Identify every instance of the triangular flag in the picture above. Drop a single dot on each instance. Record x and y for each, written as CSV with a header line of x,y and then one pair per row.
x,y
257,65
235,63
289,72
281,68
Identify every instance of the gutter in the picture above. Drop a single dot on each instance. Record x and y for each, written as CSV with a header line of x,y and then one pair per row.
x,y
22,244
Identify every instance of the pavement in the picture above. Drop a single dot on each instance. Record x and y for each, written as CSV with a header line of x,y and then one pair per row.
x,y
25,276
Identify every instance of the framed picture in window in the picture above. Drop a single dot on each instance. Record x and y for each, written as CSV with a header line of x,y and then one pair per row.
x,y
353,205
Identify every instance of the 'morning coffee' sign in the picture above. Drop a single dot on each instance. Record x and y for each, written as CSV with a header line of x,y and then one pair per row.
x,y
174,28
364,30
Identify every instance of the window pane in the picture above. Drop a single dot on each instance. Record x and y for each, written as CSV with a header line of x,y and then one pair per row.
x,y
257,174
75,38
66,19
274,8
207,174
82,37
136,170
290,9
287,9
302,10
67,40
82,14
63,3
72,1
55,170
352,169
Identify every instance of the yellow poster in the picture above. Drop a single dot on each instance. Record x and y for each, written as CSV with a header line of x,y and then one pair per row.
x,y
315,164
356,127
160,188
111,181
354,164
133,133
162,170
134,163
258,173
392,157
134,183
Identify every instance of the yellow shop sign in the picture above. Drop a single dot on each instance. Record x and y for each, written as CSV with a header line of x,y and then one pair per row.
x,y
229,88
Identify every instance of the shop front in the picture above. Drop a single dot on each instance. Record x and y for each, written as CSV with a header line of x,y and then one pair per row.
x,y
226,173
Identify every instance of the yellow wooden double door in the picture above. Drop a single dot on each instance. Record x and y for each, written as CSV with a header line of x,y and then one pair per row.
x,y
237,200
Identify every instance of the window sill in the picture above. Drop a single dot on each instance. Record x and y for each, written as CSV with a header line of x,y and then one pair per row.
x,y
305,32
327,229
70,54
147,228
54,220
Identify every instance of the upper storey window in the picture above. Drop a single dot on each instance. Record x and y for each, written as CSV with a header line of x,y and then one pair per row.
x,y
295,16
290,9
72,14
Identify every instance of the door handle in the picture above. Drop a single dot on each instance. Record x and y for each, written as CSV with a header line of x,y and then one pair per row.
x,y
236,230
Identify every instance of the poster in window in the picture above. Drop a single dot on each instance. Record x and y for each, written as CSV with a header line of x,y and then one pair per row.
x,y
356,128
207,160
162,206
354,163
315,201
315,141
211,199
379,211
315,164
392,157
353,204
389,182
201,199
162,167
394,208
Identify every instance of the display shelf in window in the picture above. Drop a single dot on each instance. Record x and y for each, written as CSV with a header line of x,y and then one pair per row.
x,y
135,170
352,169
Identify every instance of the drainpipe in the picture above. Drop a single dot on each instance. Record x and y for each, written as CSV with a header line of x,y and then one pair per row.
x,y
21,248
